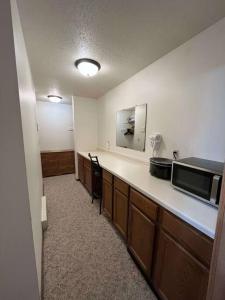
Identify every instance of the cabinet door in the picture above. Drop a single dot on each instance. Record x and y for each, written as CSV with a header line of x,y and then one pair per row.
x,y
178,275
120,212
81,168
87,178
107,198
141,233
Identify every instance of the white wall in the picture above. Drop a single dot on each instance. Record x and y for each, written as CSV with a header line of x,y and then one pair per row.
x,y
55,124
30,135
185,93
85,124
20,180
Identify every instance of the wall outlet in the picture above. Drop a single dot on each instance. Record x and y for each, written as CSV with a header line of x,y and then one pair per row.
x,y
108,145
175,154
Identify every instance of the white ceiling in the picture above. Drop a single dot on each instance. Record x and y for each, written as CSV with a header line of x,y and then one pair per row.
x,y
123,35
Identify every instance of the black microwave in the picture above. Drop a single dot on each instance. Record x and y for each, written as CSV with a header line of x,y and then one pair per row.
x,y
198,177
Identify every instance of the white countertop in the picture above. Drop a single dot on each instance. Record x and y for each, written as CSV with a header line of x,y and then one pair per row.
x,y
136,174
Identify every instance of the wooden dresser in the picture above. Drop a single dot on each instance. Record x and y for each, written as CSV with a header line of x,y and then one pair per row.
x,y
56,163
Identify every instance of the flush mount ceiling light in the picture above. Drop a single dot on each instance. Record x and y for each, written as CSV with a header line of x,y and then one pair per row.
x,y
54,98
87,67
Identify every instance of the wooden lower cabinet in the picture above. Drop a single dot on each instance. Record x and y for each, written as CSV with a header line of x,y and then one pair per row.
x,y
177,274
107,197
174,256
120,212
84,172
141,233
81,168
87,177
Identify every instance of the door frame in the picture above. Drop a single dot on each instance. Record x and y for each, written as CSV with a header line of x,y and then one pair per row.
x,y
216,287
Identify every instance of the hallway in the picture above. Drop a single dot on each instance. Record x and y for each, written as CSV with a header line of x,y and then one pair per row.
x,y
84,258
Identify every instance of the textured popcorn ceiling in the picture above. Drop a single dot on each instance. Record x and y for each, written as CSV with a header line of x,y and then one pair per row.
x,y
124,36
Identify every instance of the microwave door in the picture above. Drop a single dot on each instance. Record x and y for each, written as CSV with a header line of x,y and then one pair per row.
x,y
214,190
193,181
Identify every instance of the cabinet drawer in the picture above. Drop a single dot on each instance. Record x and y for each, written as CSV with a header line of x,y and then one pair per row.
x,y
149,208
87,163
197,243
122,186
107,176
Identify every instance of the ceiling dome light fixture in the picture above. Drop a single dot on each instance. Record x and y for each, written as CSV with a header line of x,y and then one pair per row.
x,y
54,98
87,67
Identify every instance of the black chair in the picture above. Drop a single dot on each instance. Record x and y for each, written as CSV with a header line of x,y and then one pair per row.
x,y
96,179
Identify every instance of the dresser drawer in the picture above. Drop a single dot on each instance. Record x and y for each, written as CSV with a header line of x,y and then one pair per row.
x,y
107,176
122,186
198,244
148,207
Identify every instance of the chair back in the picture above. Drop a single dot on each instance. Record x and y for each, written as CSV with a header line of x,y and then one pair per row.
x,y
96,176
94,162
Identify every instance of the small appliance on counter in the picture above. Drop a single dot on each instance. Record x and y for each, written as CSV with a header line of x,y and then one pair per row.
x,y
161,167
198,177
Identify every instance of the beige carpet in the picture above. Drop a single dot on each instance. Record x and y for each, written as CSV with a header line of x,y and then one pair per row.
x,y
84,258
